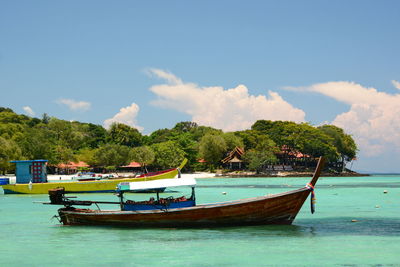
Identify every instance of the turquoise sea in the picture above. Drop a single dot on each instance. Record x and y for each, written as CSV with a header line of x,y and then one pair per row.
x,y
355,224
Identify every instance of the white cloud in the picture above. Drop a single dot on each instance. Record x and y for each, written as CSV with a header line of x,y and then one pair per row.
x,y
373,118
74,105
396,84
169,77
29,111
227,109
126,115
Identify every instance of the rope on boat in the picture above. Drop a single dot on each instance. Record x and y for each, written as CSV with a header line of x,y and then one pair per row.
x,y
312,199
56,217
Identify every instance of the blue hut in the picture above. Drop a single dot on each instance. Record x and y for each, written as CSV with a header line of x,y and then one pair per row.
x,y
27,171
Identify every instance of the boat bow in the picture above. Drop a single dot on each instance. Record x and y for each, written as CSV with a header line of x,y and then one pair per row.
x,y
314,180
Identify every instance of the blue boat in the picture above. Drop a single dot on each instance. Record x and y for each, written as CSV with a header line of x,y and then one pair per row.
x,y
157,186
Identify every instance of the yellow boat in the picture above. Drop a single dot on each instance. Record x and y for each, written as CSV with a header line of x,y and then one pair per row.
x,y
95,186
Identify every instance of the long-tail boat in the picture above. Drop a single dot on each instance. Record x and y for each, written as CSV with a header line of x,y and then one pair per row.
x,y
88,186
279,208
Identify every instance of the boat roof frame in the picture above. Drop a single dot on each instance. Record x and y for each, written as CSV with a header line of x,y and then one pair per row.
x,y
156,184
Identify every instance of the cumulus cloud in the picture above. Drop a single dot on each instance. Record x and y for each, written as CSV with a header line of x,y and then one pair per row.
x,y
126,115
226,109
373,118
396,84
29,111
169,77
74,105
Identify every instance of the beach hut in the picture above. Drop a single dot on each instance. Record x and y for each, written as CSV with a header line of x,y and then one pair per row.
x,y
131,167
71,167
27,171
234,160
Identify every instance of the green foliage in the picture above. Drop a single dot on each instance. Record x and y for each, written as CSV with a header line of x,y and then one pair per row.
x,y
167,154
161,135
201,131
232,141
258,159
64,154
249,138
37,143
87,155
10,130
143,155
10,117
94,135
212,149
343,142
185,126
45,118
62,141
186,142
122,134
299,137
9,150
262,153
64,133
112,155
2,109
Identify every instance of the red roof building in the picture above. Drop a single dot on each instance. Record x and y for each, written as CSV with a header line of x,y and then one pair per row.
x,y
132,164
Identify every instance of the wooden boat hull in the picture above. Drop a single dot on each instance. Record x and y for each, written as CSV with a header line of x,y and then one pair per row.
x,y
274,209
95,186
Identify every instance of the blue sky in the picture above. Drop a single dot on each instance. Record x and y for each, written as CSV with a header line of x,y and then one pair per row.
x,y
224,64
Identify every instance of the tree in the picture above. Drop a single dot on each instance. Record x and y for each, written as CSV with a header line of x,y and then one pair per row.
x,y
201,131
298,137
95,135
212,149
143,155
167,154
64,134
63,154
112,155
10,130
159,136
37,143
122,134
315,143
2,109
249,138
45,118
87,155
59,140
185,126
343,142
186,142
232,141
263,153
9,150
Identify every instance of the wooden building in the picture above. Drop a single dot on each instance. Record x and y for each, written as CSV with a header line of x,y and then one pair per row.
x,y
71,167
233,160
30,171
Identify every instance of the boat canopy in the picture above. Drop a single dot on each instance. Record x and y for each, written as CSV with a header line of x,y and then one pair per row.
x,y
156,184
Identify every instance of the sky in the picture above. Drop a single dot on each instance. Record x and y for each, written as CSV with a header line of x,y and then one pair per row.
x,y
225,64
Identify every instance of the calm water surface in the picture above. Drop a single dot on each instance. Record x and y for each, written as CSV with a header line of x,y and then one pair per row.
x,y
29,237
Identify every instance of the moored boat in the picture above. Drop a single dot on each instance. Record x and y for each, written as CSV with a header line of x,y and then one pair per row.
x,y
279,208
87,186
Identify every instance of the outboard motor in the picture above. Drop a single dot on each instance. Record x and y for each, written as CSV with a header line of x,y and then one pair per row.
x,y
56,196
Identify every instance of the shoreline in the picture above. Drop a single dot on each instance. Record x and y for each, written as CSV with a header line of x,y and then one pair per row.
x,y
288,174
291,174
203,175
